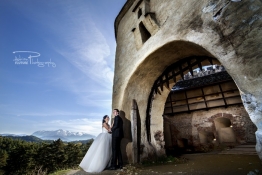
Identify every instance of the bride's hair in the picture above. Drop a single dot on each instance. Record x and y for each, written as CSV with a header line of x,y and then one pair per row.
x,y
103,121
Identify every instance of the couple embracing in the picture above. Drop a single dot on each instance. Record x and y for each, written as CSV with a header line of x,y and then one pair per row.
x,y
105,151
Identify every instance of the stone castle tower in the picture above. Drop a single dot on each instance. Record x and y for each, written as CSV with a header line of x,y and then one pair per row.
x,y
158,43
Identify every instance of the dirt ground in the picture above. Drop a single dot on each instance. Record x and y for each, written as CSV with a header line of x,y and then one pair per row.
x,y
195,164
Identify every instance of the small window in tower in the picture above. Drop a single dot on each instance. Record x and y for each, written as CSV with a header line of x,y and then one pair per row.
x,y
144,32
139,13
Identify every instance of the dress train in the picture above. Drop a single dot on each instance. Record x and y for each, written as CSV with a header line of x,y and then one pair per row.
x,y
99,154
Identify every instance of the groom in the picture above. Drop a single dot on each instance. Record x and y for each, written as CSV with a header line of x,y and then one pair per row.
x,y
117,135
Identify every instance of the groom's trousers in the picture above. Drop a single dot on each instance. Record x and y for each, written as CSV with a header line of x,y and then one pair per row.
x,y
116,152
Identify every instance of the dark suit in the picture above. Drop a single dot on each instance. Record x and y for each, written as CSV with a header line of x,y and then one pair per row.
x,y
117,135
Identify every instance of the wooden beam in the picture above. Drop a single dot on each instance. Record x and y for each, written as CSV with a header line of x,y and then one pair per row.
x,y
159,91
161,85
181,72
167,81
204,97
155,89
187,102
199,63
210,60
173,75
222,95
190,67
170,99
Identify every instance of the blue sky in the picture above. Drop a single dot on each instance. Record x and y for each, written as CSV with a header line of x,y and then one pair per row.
x,y
56,64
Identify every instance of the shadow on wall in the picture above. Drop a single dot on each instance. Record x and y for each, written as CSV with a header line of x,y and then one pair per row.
x,y
127,135
126,143
177,135
139,136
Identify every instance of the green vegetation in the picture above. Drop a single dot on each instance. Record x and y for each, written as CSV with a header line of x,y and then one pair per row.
x,y
21,157
27,138
31,138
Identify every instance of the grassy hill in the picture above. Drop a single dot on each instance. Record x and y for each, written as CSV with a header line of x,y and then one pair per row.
x,y
28,138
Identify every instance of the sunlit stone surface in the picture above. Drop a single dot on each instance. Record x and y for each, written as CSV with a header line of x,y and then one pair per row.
x,y
152,35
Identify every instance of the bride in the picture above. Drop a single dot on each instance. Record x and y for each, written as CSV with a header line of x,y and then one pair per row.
x,y
99,154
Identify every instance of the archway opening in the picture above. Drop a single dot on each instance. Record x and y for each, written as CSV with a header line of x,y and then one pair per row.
x,y
203,111
150,85
224,130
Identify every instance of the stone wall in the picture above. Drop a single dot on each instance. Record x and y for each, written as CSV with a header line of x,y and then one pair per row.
x,y
193,126
170,30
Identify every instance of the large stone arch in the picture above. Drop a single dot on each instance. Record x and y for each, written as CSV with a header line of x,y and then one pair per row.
x,y
200,28
140,85
157,100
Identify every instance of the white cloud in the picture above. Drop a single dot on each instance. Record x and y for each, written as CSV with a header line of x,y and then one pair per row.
x,y
71,32
90,123
54,113
87,92
87,49
90,126
84,45
89,54
75,36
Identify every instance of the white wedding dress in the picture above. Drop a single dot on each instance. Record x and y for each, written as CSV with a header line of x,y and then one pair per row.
x,y
99,154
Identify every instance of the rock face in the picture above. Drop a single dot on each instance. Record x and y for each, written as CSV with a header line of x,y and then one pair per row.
x,y
154,34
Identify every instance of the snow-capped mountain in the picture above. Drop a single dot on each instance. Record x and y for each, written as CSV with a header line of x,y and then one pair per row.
x,y
63,135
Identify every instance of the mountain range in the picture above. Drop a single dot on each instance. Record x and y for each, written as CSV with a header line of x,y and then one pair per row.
x,y
62,134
